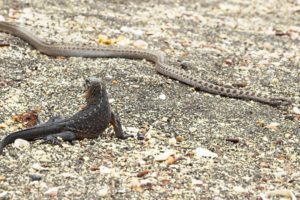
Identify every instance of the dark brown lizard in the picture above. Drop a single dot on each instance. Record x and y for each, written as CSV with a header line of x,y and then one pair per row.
x,y
87,123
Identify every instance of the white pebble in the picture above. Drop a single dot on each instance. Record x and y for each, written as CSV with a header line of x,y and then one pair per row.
x,y
162,97
172,141
136,32
103,191
20,143
2,19
164,156
296,110
197,182
52,192
140,44
106,170
201,152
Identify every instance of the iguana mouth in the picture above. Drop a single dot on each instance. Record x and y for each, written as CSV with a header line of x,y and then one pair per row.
x,y
93,86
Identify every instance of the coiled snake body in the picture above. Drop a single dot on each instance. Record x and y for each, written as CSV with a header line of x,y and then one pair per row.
x,y
154,56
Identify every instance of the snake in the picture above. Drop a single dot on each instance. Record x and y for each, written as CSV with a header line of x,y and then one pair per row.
x,y
154,56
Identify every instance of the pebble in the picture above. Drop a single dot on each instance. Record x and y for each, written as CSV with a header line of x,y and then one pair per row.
x,y
106,170
197,182
296,110
164,156
240,189
140,44
172,141
52,192
4,195
35,177
37,166
273,126
102,192
162,96
136,32
201,152
122,41
20,143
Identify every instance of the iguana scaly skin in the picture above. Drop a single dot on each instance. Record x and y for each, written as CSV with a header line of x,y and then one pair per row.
x,y
87,123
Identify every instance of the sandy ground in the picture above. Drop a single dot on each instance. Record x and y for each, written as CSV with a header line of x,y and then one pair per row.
x,y
255,147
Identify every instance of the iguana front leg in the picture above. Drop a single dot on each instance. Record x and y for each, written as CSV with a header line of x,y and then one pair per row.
x,y
116,123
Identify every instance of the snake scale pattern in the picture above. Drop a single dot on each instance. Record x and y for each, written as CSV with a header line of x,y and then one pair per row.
x,y
156,57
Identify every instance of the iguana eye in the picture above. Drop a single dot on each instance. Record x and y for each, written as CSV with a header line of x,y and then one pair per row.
x,y
87,81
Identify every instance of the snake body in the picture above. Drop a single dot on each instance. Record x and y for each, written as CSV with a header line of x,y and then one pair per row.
x,y
156,57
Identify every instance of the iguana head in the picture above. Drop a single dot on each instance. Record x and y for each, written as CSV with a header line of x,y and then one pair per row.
x,y
95,90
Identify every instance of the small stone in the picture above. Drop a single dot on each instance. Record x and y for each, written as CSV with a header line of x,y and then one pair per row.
x,y
94,167
106,170
140,44
192,129
296,110
3,126
52,192
233,140
135,86
140,136
4,195
132,130
164,156
201,152
122,41
171,160
103,191
164,119
35,177
228,62
273,126
68,175
114,82
111,100
135,185
37,166
2,178
287,194
197,182
150,133
266,139
151,141
179,138
260,123
104,40
172,141
20,143
229,7
240,189
136,32
143,173
147,183
162,97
